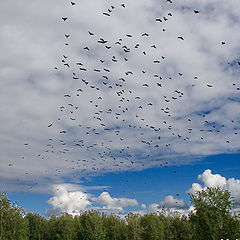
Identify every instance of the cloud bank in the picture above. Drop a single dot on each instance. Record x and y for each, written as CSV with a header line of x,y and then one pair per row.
x,y
70,199
66,200
99,93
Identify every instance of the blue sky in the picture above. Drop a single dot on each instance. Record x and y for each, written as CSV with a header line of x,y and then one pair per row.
x,y
147,186
108,110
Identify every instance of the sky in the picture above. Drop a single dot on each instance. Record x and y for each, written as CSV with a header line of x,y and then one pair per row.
x,y
118,106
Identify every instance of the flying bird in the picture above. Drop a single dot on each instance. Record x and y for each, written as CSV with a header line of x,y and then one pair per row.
x,y
107,14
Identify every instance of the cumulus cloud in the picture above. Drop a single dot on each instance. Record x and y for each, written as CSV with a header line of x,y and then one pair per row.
x,y
69,198
114,203
216,180
66,201
171,202
211,180
154,207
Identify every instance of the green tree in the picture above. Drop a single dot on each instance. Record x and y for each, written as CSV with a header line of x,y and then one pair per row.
x,y
180,227
151,227
65,227
90,227
133,226
115,228
59,228
51,228
13,226
36,226
212,219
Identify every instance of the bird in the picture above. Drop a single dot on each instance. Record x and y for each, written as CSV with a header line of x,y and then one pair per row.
x,y
107,14
196,11
64,18
102,41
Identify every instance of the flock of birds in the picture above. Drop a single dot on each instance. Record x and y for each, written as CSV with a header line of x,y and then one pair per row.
x,y
118,133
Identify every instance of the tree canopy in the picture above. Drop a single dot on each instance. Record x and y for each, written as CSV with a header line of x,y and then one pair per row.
x,y
211,220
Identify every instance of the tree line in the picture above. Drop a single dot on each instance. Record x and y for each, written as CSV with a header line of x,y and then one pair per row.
x,y
211,220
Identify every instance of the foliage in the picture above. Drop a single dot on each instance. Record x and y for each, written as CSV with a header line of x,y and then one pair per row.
x,y
134,227
91,227
36,226
211,220
12,224
152,227
115,228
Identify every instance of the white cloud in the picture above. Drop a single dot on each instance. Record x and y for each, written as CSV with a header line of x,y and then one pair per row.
x,y
66,201
211,180
216,180
233,186
114,203
196,187
154,207
171,202
70,198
